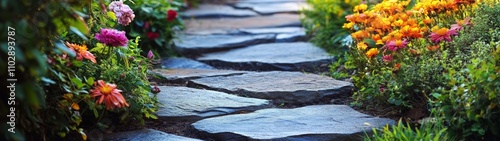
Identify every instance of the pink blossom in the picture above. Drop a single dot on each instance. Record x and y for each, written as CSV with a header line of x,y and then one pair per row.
x,y
150,54
460,24
387,58
122,11
442,34
112,37
395,45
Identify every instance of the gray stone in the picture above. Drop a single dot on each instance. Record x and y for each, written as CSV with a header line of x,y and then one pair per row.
x,y
268,1
183,63
297,56
211,11
291,37
181,76
192,45
188,103
273,8
292,87
318,123
273,30
145,135
226,24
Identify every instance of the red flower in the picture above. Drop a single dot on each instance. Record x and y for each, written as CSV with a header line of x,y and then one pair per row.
x,y
171,15
109,94
152,35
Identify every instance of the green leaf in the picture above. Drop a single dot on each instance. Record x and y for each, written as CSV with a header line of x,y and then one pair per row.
x,y
90,81
77,32
64,48
411,5
370,42
112,15
47,80
78,82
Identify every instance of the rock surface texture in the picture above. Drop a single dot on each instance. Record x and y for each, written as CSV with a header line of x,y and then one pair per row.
x,y
318,123
292,87
187,103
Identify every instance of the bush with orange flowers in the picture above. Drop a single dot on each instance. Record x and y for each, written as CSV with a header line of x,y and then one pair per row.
x,y
425,55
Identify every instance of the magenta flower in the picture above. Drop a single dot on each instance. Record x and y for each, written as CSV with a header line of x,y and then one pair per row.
x,y
122,11
396,45
387,58
150,54
112,37
460,24
442,34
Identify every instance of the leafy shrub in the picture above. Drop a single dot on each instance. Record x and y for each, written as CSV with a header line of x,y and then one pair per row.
x,y
324,22
156,23
470,102
400,50
94,77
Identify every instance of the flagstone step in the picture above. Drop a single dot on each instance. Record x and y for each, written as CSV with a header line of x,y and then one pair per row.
x,y
296,56
216,11
183,63
145,135
182,103
273,8
182,76
279,86
192,45
317,122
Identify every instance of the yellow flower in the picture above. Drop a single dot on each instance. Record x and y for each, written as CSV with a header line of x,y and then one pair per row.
x,y
362,46
360,8
372,52
348,25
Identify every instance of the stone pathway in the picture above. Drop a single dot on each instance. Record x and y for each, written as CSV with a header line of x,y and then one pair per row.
x,y
244,60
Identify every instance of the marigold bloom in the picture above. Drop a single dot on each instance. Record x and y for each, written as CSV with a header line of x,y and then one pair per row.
x,y
362,46
171,15
442,34
372,52
360,8
112,37
81,52
122,11
109,94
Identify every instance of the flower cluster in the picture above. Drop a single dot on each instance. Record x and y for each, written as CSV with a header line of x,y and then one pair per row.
x,y
391,27
122,11
112,37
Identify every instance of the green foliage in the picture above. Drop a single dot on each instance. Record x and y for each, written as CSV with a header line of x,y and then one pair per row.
x,y
324,22
431,131
152,26
470,104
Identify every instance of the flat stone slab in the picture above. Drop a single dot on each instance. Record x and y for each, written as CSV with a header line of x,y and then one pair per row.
x,y
145,135
292,87
181,76
297,56
275,30
268,1
225,24
183,63
273,8
198,44
214,11
187,103
291,37
317,122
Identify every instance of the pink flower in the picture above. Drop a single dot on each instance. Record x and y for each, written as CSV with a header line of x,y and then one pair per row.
x,y
150,54
442,34
171,15
122,11
460,24
387,58
396,45
112,37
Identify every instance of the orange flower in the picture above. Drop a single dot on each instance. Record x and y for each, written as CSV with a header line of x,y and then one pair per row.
x,y
432,48
109,94
372,52
362,46
396,67
81,52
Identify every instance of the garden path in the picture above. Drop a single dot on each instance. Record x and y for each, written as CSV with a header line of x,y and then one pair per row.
x,y
250,74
